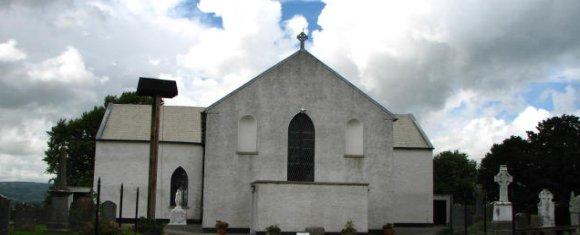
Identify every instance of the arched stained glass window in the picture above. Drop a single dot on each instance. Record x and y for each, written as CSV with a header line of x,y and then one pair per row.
x,y
301,149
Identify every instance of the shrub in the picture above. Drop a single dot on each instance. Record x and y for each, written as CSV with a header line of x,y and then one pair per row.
x,y
348,228
105,228
388,225
150,226
273,230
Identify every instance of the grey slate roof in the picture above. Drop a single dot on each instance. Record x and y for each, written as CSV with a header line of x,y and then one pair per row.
x,y
133,122
183,124
408,134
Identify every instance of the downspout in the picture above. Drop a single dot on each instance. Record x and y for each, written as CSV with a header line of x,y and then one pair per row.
x,y
203,128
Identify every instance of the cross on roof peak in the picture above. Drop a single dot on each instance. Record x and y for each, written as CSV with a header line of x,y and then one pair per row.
x,y
302,37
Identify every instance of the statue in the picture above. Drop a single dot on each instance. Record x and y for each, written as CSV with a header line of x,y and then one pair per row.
x,y
178,214
546,209
179,198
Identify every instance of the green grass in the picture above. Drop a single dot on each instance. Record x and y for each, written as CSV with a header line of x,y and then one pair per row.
x,y
41,230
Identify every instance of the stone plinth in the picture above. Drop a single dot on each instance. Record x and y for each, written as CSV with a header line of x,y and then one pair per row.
x,y
502,211
501,228
295,206
59,211
178,216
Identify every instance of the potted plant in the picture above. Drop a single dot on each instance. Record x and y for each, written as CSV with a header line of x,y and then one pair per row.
x,y
273,230
348,228
221,227
388,229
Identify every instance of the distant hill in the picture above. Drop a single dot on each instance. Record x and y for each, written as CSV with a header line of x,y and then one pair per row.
x,y
24,191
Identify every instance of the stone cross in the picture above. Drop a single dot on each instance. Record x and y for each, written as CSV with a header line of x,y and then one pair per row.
x,y
302,37
503,178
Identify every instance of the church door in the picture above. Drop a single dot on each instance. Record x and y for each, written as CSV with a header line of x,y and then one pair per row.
x,y
301,149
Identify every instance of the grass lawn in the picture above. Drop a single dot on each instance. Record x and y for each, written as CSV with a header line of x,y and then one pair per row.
x,y
41,229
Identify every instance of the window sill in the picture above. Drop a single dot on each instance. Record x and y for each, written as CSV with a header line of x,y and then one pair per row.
x,y
353,156
246,153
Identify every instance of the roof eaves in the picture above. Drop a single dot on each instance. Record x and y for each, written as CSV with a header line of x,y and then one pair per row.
x,y
425,138
104,121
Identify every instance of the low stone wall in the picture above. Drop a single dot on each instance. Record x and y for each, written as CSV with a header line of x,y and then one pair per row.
x,y
293,206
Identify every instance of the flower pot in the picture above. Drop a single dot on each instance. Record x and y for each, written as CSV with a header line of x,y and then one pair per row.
x,y
221,231
388,231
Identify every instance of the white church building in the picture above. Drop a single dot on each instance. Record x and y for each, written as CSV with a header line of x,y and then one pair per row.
x,y
298,146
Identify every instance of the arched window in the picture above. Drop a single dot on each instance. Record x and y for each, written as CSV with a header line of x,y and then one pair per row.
x,y
178,181
247,135
354,138
301,149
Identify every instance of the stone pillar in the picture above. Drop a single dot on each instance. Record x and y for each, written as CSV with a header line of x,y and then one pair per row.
x,y
59,207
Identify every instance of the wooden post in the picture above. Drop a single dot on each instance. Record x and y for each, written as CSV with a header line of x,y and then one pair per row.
x,y
154,146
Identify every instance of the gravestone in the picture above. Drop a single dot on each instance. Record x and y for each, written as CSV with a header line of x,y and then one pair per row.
x,y
178,214
574,208
522,220
546,209
81,212
108,211
502,210
534,221
24,217
4,215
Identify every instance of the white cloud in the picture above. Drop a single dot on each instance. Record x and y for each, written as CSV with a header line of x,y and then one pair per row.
x,y
67,67
565,102
9,52
444,61
296,25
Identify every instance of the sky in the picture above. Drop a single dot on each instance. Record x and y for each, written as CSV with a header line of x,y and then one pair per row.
x,y
472,72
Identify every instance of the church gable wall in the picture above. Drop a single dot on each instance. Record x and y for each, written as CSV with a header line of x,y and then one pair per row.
x,y
301,82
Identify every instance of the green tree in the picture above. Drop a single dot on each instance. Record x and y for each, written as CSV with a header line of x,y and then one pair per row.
x,y
548,158
454,173
515,153
77,137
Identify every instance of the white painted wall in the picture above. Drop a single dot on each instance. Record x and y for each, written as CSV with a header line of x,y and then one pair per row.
x,y
296,206
125,162
274,99
412,181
